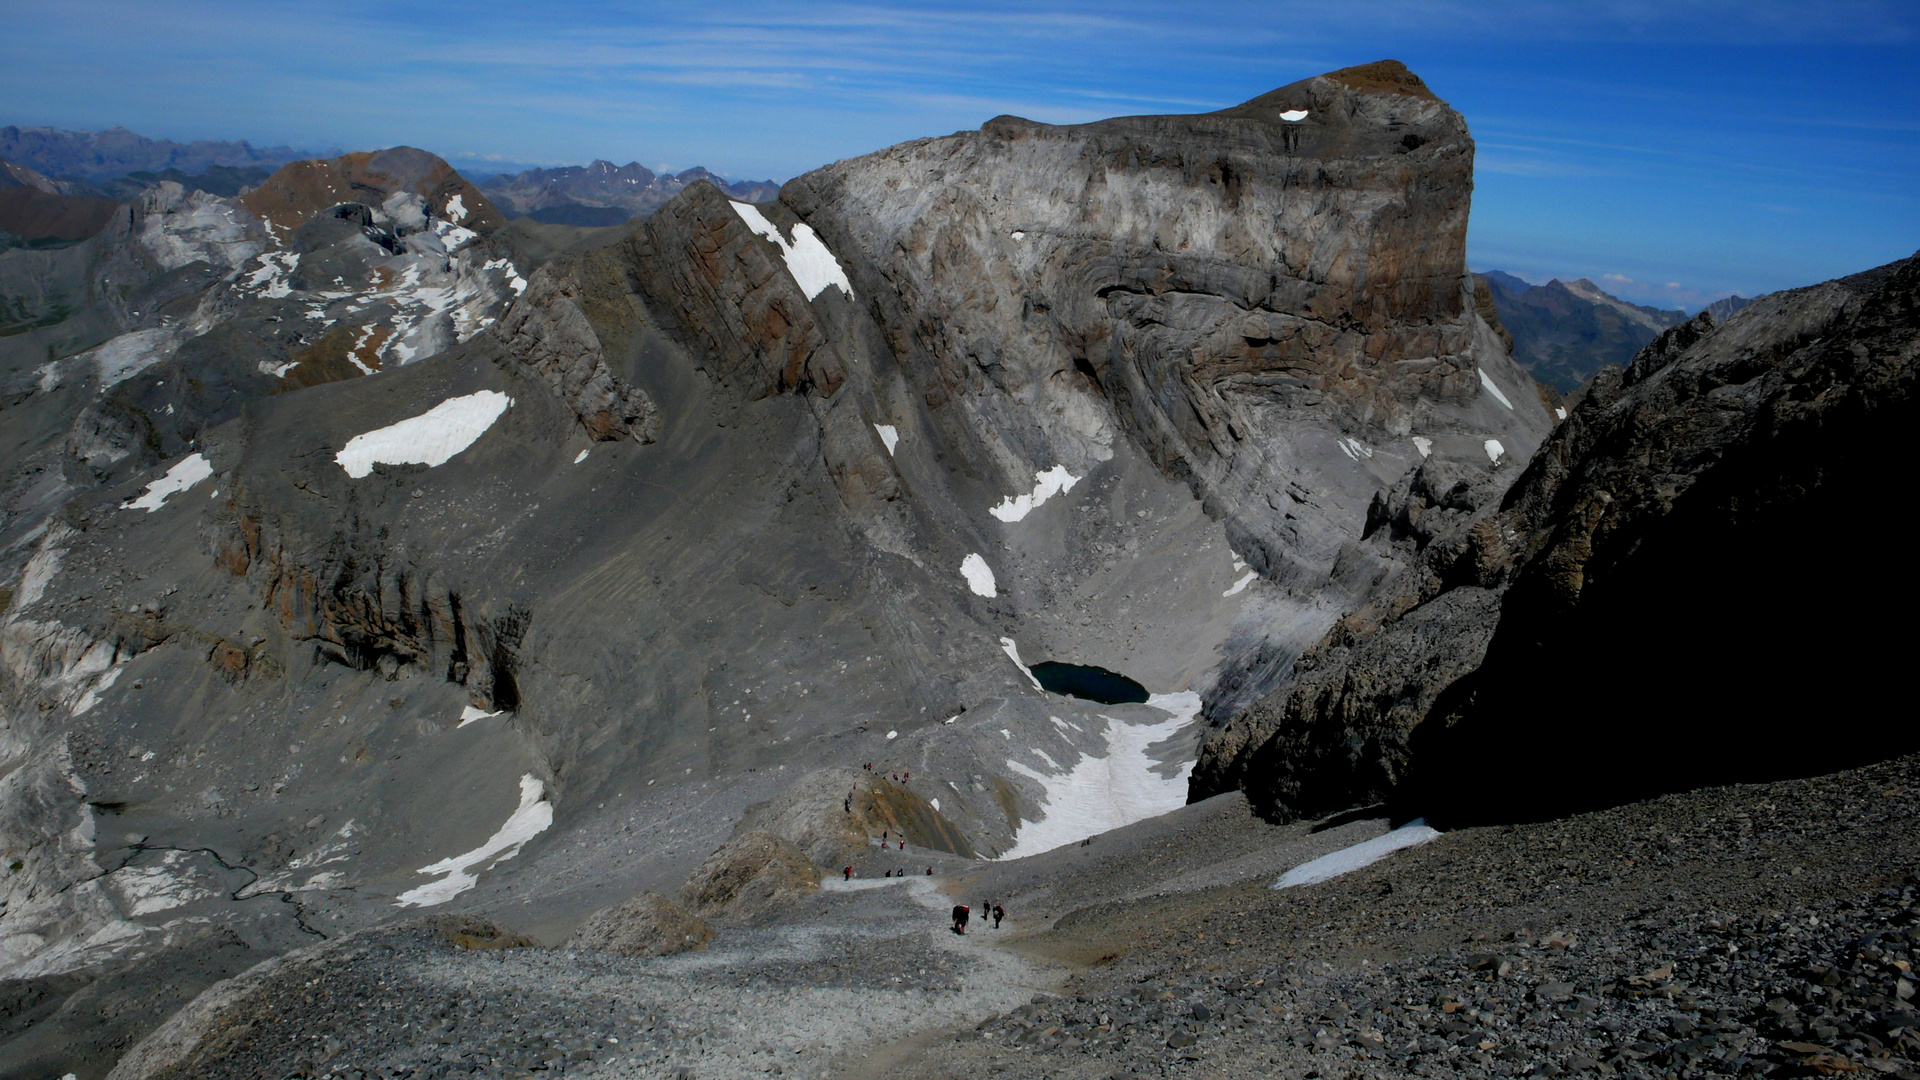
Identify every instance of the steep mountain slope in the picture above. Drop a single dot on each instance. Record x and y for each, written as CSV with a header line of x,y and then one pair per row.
x,y
1564,332
710,516
1624,622
605,194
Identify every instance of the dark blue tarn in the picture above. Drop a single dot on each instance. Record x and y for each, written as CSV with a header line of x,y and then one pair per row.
x,y
1091,683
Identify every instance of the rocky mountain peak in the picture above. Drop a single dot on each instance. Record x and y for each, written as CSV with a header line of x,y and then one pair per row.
x,y
302,189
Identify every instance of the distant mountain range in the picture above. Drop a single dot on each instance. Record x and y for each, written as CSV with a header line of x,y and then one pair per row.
x,y
117,152
604,193
1565,332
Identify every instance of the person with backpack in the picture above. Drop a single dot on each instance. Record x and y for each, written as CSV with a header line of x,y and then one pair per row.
x,y
960,913
998,914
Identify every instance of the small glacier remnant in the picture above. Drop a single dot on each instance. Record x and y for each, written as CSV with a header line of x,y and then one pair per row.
x,y
813,267
1055,481
430,439
189,471
889,435
529,820
979,576
1366,853
1494,450
1100,794
1294,116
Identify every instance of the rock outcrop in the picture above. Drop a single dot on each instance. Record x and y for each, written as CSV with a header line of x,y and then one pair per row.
x,y
749,875
1639,613
646,925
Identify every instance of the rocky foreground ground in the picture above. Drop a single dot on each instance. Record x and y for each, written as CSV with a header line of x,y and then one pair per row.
x,y
1763,930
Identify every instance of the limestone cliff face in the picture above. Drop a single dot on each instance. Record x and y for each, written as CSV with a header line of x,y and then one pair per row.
x,y
1218,286
1625,622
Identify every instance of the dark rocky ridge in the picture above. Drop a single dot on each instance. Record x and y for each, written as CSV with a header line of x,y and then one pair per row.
x,y
1670,498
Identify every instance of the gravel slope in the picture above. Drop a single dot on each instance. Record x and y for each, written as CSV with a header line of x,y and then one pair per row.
x,y
1762,930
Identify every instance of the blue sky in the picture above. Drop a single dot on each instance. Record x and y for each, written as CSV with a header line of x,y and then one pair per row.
x,y
1672,151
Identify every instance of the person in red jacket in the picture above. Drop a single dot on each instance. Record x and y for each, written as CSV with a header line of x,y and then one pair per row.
x,y
960,913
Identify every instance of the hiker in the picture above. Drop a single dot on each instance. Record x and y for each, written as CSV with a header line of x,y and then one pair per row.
x,y
906,776
998,914
849,873
960,913
903,845
929,871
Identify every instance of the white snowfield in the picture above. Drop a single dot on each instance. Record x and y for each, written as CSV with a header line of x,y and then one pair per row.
x,y
1294,116
979,575
1424,445
1365,853
532,818
430,439
1492,389
1494,450
1099,794
1246,579
189,471
889,435
1055,481
813,267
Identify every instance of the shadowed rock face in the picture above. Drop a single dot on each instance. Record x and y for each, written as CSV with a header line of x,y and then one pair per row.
x,y
1620,624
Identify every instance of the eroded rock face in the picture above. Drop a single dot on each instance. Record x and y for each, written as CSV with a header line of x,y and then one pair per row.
x,y
1617,625
549,333
646,925
1211,283
749,875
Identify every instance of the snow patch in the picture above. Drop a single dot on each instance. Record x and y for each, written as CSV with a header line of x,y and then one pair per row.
x,y
1294,116
935,803
582,456
1013,653
456,210
1100,794
1492,389
979,576
1245,580
469,714
1494,450
531,819
889,435
892,735
189,471
1018,234
1366,853
429,439
1355,449
1055,481
1559,414
813,266
1424,445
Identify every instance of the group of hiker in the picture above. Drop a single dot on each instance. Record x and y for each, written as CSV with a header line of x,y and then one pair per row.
x,y
962,914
